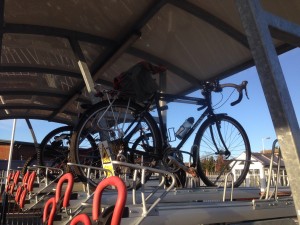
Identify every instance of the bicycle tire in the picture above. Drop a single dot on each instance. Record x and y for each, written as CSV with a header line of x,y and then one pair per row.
x,y
39,158
32,160
47,146
105,122
54,150
237,142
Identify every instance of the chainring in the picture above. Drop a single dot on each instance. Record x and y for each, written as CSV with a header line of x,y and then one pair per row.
x,y
175,154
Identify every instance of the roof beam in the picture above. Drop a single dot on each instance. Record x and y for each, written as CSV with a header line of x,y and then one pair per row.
x,y
34,107
283,30
37,117
109,56
59,72
243,66
285,36
63,106
212,20
20,106
75,95
30,92
56,32
182,74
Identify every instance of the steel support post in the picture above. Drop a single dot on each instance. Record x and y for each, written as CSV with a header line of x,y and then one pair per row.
x,y
11,149
255,22
163,88
4,194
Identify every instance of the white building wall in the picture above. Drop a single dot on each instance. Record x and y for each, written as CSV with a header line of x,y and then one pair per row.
x,y
257,175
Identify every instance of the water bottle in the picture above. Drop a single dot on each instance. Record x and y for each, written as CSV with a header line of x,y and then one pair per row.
x,y
184,128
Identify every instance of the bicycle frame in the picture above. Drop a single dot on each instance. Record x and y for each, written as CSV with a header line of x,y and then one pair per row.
x,y
137,136
204,103
163,127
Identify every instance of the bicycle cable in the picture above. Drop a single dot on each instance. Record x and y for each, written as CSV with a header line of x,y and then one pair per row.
x,y
222,99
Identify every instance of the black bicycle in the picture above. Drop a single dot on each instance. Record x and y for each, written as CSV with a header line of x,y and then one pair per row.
x,y
135,136
54,151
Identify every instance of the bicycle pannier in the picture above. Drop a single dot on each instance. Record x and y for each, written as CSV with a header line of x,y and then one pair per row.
x,y
138,81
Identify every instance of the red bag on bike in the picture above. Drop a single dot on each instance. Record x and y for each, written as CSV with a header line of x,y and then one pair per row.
x,y
138,81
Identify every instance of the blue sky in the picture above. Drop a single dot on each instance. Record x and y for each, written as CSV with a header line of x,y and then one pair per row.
x,y
253,114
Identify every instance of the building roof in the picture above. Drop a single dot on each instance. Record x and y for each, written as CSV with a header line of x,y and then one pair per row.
x,y
42,42
7,142
265,158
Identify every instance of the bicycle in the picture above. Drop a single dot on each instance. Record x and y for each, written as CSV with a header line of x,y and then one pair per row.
x,y
54,151
134,135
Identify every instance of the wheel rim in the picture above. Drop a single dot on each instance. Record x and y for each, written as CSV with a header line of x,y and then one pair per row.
x,y
114,125
214,167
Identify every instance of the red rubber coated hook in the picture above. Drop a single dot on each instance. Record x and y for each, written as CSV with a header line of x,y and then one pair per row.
x,y
68,177
49,219
82,218
120,203
9,177
30,181
27,187
15,182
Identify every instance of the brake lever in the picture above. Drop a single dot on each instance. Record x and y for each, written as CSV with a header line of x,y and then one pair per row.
x,y
245,87
240,91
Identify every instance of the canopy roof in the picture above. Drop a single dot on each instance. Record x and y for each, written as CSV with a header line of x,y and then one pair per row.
x,y
42,41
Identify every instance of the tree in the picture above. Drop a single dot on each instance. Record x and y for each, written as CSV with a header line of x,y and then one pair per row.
x,y
208,165
219,163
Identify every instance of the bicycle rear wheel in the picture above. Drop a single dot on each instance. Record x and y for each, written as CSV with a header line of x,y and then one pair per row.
x,y
54,148
131,133
223,148
32,160
53,151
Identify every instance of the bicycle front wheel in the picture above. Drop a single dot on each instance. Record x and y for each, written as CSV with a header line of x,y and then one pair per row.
x,y
131,134
223,148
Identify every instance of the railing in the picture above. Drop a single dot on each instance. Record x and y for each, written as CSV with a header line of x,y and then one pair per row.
x,y
146,208
275,192
225,186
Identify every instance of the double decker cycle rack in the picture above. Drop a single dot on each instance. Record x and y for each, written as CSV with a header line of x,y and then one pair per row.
x,y
168,205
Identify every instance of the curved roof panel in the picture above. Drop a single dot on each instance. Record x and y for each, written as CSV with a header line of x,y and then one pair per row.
x,y
42,42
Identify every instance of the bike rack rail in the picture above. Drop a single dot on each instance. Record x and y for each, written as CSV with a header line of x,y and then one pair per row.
x,y
225,186
35,195
89,169
159,203
275,192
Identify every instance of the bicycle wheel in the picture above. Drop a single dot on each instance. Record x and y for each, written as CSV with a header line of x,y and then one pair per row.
x,y
32,160
54,149
50,151
223,147
130,133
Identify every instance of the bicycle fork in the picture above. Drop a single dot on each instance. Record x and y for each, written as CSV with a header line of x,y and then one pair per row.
x,y
219,151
